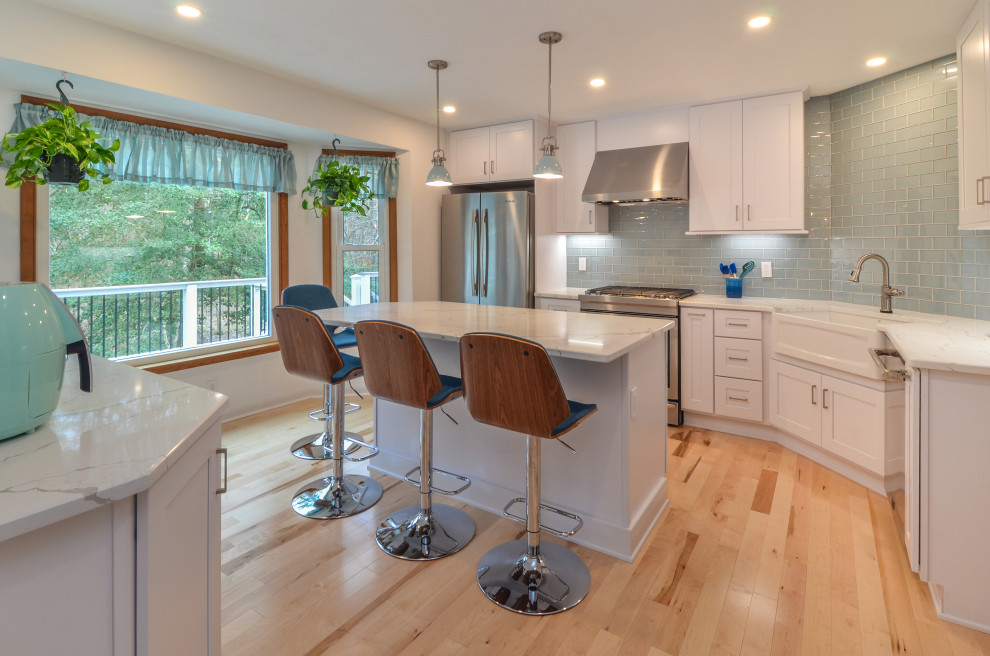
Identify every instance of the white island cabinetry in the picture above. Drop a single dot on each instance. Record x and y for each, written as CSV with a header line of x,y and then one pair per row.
x,y
114,531
618,363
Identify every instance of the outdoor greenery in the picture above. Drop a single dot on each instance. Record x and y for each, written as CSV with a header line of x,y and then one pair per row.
x,y
337,185
132,234
34,148
135,234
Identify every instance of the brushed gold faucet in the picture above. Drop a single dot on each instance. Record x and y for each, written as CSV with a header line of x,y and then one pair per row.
x,y
886,291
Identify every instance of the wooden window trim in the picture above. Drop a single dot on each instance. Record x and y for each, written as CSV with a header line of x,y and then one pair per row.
x,y
29,232
393,225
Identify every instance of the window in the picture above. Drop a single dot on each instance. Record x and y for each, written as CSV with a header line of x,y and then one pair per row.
x,y
188,248
359,251
148,268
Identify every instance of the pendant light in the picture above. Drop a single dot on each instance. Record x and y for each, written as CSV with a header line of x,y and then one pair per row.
x,y
439,175
548,166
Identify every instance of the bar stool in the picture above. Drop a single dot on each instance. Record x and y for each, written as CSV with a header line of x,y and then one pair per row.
x,y
510,383
308,351
317,445
398,368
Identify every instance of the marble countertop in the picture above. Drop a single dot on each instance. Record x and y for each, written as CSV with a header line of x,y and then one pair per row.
x,y
100,447
564,293
594,337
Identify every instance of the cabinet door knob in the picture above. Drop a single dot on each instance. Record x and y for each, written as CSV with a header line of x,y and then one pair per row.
x,y
814,395
222,452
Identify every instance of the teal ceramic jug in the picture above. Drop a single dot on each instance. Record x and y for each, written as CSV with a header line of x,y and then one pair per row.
x,y
36,333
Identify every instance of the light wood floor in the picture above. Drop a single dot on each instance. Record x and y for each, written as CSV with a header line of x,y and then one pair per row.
x,y
760,552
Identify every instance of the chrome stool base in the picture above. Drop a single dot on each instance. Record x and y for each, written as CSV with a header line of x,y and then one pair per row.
x,y
412,535
323,413
333,498
318,446
555,581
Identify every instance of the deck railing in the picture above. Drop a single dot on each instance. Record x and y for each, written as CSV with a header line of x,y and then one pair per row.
x,y
133,320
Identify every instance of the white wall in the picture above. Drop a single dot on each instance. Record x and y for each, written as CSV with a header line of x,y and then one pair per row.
x,y
224,91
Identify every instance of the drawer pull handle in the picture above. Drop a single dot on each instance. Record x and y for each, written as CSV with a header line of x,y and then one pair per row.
x,y
222,451
814,395
736,323
739,359
737,398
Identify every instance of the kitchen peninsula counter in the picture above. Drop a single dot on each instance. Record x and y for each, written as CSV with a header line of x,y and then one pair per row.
x,y
110,521
616,481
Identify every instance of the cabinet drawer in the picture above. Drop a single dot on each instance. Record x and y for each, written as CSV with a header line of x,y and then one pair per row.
x,y
739,358
742,399
739,323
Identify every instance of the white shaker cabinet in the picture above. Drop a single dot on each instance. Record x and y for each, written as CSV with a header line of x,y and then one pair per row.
x,y
973,62
697,332
578,145
558,304
494,153
861,424
747,165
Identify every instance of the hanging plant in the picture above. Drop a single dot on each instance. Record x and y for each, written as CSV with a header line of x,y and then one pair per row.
x,y
337,185
59,151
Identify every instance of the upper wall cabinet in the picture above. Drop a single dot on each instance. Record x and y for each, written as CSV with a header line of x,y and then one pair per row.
x,y
747,165
577,143
974,153
492,154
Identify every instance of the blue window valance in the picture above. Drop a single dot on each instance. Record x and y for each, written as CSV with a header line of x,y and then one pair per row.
x,y
383,171
153,154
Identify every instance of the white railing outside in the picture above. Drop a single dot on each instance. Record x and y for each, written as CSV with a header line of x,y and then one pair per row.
x,y
204,315
364,288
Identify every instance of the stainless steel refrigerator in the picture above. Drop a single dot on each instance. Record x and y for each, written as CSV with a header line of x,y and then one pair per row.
x,y
486,248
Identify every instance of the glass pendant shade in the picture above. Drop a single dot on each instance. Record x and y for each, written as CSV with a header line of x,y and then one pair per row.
x,y
548,167
439,176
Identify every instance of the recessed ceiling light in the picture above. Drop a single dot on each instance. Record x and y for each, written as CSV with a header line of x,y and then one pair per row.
x,y
597,82
876,61
450,109
759,21
188,11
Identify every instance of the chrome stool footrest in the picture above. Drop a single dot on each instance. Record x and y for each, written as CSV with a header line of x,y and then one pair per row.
x,y
318,446
372,452
543,527
416,481
322,414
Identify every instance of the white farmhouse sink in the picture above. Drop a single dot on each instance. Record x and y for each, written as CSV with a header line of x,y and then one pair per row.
x,y
840,338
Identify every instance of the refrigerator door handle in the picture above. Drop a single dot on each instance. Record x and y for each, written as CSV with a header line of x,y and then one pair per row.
x,y
484,287
474,255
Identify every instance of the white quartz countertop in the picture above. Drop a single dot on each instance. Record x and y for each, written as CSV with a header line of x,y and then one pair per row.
x,y
100,447
594,337
564,293
924,341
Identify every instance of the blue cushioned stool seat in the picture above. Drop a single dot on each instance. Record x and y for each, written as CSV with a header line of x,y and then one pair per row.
x,y
578,412
344,339
351,364
450,385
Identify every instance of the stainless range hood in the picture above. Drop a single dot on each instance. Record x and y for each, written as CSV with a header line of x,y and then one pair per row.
x,y
637,175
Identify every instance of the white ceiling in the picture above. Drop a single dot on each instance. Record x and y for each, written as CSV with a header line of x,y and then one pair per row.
x,y
652,53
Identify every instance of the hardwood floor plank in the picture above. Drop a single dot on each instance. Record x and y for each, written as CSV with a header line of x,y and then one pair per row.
x,y
760,551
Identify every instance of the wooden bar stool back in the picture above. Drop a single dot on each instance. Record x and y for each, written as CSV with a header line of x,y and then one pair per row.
x,y
317,445
511,383
308,351
398,368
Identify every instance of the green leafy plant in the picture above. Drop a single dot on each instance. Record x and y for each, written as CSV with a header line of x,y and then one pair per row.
x,y
337,185
35,148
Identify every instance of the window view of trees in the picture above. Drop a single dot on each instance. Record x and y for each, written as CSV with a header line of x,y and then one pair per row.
x,y
360,231
166,237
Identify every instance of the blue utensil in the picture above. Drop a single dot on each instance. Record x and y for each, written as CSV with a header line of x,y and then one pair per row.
x,y
724,269
732,269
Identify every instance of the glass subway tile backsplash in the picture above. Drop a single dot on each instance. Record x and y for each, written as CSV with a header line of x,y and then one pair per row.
x,y
881,176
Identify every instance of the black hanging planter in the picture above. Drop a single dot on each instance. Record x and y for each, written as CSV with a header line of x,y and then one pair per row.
x,y
64,170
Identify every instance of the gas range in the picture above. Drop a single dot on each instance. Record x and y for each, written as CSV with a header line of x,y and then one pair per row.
x,y
621,299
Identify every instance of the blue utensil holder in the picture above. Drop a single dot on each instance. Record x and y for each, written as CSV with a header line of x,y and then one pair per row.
x,y
733,287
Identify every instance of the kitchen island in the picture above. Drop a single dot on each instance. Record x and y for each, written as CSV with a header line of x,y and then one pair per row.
x,y
109,521
616,479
